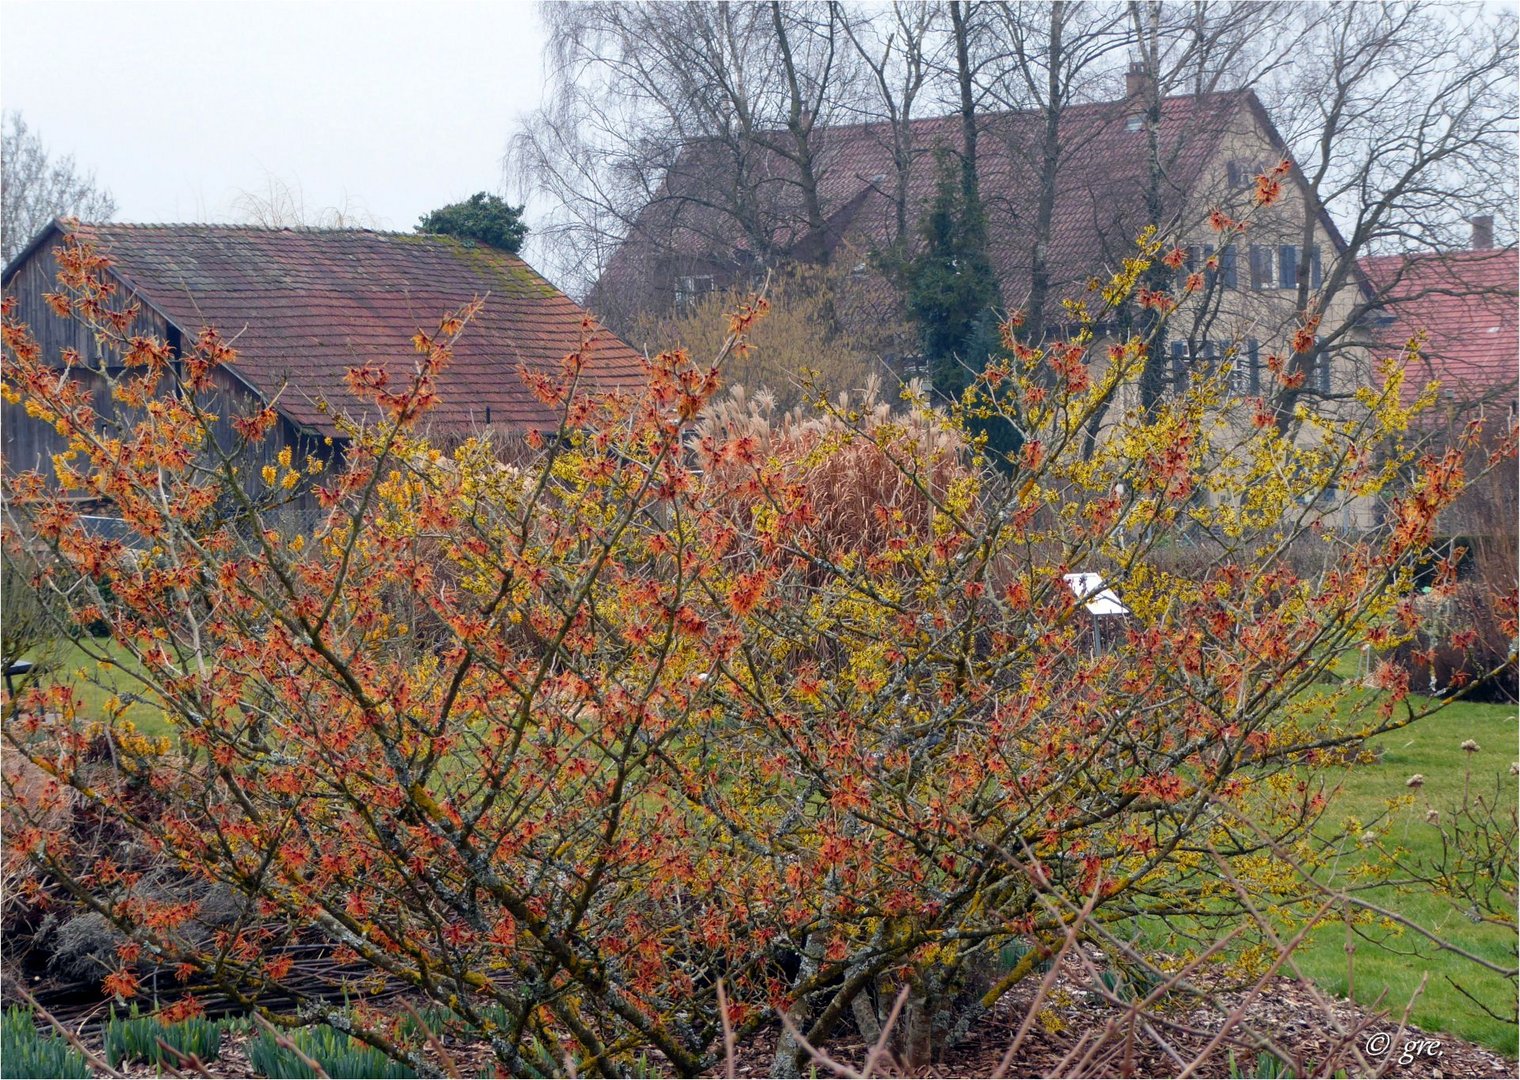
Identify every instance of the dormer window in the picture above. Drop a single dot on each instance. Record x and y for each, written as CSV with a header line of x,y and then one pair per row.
x,y
1134,123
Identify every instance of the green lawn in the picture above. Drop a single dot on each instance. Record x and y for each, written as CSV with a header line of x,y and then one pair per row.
x,y
96,684
1433,749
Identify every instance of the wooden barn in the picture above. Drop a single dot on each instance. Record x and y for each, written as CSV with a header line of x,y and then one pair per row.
x,y
302,307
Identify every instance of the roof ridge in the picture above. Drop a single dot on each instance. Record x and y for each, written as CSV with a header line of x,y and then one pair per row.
x,y
246,227
1111,103
1493,252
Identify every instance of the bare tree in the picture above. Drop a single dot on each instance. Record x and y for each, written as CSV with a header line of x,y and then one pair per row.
x,y
1048,57
1402,119
901,51
706,134
34,188
708,112
282,204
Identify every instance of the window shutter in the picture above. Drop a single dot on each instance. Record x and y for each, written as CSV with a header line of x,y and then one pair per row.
x,y
1210,277
1261,266
1179,365
1322,369
1227,277
1287,266
1314,271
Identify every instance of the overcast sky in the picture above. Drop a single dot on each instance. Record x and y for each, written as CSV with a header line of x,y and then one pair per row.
x,y
389,109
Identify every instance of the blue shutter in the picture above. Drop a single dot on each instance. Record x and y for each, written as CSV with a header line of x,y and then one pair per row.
x,y
1287,266
1253,364
1227,277
1179,365
1261,266
1314,271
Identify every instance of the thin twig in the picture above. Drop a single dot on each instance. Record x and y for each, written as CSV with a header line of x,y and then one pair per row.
x,y
818,1056
445,1059
730,1069
886,1031
182,1060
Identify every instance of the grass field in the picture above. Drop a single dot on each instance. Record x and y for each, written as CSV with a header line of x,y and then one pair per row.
x,y
95,683
1394,969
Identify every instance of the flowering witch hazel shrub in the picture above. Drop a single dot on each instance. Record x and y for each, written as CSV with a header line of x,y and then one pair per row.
x,y
677,721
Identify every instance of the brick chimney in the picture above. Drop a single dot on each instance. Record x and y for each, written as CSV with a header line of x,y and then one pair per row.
x,y
1137,80
1482,232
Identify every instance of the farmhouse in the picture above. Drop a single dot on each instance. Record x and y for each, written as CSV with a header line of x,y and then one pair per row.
x,y
302,307
1209,149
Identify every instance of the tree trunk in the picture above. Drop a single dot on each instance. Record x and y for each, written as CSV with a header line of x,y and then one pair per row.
x,y
1050,152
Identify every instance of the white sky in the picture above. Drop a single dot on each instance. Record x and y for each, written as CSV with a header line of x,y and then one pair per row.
x,y
389,109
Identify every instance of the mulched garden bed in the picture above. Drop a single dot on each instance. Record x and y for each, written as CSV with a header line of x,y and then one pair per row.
x,y
1076,1032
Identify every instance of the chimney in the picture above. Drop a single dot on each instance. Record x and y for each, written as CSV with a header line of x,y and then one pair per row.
x,y
1482,232
1137,80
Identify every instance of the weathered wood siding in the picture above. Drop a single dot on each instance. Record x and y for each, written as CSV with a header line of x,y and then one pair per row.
x,y
30,444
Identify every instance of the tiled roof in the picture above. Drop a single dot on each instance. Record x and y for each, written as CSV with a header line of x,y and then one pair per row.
x,y
1465,303
306,305
1099,203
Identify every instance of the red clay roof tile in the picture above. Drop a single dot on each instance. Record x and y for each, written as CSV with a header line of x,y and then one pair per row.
x,y
306,305
1100,194
1465,305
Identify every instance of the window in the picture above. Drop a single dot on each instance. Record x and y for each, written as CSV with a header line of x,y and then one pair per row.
x,y
1287,266
1261,266
1179,366
1188,355
690,289
1245,375
1242,174
1210,357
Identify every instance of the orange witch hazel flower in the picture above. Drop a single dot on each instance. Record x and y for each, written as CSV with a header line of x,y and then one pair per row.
x,y
1303,338
1268,189
120,983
